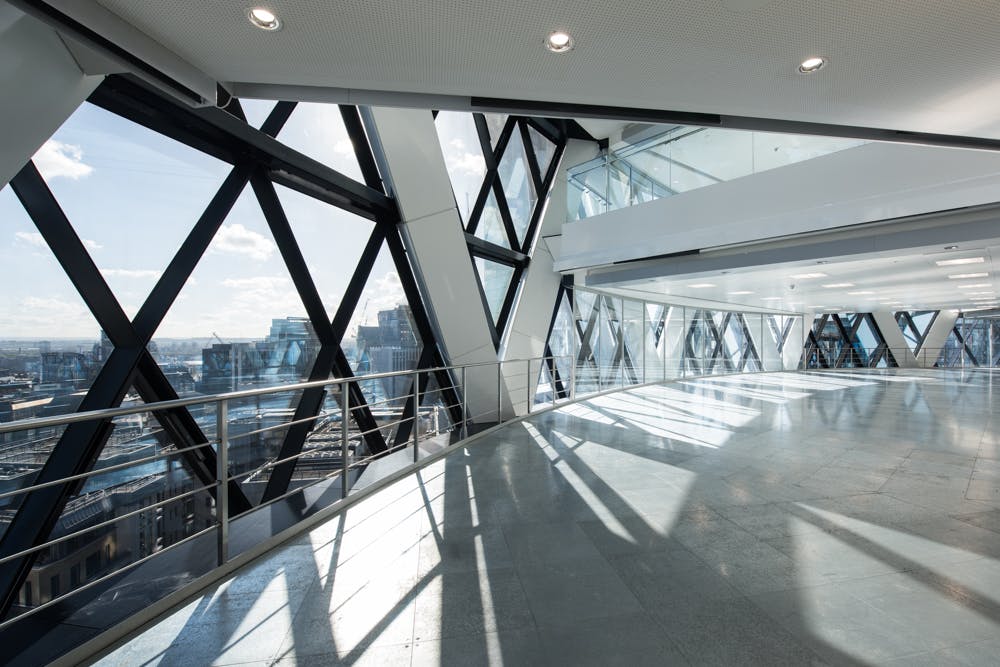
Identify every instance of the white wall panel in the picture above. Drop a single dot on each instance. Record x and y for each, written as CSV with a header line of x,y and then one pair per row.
x,y
38,72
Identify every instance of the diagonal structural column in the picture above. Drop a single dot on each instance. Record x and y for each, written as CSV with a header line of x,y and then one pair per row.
x,y
413,165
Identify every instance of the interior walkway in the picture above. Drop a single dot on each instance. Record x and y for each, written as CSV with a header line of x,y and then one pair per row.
x,y
796,518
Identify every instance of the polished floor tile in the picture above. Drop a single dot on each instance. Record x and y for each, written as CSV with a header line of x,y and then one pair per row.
x,y
844,518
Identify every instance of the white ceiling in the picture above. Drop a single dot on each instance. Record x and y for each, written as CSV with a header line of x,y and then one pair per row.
x,y
921,65
902,280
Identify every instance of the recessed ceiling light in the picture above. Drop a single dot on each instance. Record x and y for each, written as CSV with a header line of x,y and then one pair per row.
x,y
813,64
965,276
836,285
956,262
701,285
559,41
740,293
807,276
264,19
974,285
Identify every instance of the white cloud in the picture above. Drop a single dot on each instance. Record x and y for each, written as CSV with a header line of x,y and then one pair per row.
x,y
138,274
36,240
33,239
461,160
58,160
258,283
48,317
344,147
235,239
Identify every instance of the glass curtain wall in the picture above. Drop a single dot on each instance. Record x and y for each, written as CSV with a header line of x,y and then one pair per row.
x,y
619,342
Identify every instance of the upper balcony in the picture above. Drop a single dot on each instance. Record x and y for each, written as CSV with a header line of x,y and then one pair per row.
x,y
661,162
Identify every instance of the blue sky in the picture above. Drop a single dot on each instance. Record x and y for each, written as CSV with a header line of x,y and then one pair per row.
x,y
133,195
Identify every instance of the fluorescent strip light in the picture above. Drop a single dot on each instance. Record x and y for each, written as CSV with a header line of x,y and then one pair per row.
x,y
836,285
807,276
957,262
740,293
974,285
701,285
860,293
966,276
771,298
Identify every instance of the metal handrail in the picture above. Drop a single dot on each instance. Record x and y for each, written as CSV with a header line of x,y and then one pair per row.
x,y
160,406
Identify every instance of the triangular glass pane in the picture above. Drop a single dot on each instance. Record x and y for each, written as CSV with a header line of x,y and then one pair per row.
x,y
495,122
587,378
491,226
238,322
257,111
495,279
561,340
463,158
382,336
131,194
545,390
331,240
517,185
104,496
544,150
318,130
434,418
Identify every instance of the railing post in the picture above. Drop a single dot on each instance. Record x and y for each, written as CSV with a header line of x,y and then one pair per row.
x,y
499,393
416,416
222,478
527,381
345,450
465,404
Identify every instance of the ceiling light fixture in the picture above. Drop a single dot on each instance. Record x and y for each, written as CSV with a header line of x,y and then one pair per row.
x,y
264,19
559,41
836,285
740,293
974,285
951,247
701,285
813,64
957,262
964,276
863,292
771,298
807,276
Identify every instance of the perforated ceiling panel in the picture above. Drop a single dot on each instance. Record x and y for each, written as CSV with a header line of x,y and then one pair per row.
x,y
922,65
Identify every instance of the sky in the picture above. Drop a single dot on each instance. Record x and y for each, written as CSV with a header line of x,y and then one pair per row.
x,y
133,196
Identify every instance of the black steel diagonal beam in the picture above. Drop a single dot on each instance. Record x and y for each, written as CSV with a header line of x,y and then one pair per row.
x,y
81,443
311,401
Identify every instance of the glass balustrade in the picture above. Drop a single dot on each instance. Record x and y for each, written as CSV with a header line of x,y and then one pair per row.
x,y
683,159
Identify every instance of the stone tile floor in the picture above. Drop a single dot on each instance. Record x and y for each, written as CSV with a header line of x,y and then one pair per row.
x,y
789,518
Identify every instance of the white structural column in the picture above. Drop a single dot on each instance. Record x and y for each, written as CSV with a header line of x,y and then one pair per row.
x,y
529,326
38,72
935,339
887,325
436,244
